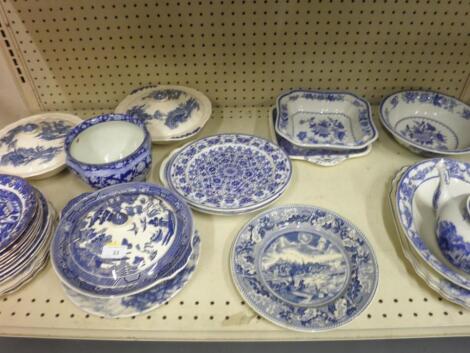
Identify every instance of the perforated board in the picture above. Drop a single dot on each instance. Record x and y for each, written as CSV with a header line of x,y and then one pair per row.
x,y
210,308
90,54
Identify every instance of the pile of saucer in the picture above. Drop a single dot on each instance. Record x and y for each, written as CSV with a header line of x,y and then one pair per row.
x,y
125,249
411,198
228,174
27,222
304,268
323,128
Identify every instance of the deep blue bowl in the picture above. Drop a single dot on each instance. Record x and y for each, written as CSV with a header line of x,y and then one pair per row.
x,y
109,149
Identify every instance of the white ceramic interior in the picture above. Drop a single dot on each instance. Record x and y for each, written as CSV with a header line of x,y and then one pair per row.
x,y
345,111
107,142
456,129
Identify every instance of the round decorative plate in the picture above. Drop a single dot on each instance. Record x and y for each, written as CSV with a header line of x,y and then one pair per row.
x,y
122,239
17,208
304,268
34,146
171,113
139,303
427,122
229,173
416,215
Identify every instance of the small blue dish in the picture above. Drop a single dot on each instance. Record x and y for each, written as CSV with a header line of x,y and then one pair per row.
x,y
109,149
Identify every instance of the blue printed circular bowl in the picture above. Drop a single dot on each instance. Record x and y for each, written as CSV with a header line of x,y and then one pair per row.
x,y
109,149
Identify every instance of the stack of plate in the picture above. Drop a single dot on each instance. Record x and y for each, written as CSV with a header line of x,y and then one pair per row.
x,y
304,268
324,128
125,249
228,174
26,224
411,199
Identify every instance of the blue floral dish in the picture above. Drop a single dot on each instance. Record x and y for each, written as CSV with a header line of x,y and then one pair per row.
x,y
122,239
17,208
142,302
109,149
332,120
416,215
318,156
33,147
304,268
427,123
229,173
171,113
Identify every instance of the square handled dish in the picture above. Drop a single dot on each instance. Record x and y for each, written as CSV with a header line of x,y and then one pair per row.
x,y
334,120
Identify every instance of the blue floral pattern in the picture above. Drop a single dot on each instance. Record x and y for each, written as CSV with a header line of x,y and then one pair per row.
x,y
312,126
410,181
425,133
453,245
304,227
229,172
149,226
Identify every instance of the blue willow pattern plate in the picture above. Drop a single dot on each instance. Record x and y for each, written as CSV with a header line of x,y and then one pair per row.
x,y
17,208
34,146
304,268
122,239
412,180
229,173
142,302
334,120
427,122
171,113
319,156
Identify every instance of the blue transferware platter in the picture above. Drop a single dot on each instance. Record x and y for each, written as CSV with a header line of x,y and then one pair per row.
x,y
17,209
434,280
171,113
72,202
427,122
33,147
321,119
122,239
415,212
229,173
304,268
318,156
142,302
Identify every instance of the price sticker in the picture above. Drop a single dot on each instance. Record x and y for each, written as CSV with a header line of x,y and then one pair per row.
x,y
112,251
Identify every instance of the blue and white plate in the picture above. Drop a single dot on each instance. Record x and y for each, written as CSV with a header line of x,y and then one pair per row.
x,y
318,156
304,268
427,122
171,113
33,147
17,208
416,216
229,173
332,120
142,302
122,240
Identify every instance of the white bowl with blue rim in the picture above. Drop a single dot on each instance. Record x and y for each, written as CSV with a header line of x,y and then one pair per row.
x,y
304,268
122,240
171,113
109,149
322,119
427,122
33,147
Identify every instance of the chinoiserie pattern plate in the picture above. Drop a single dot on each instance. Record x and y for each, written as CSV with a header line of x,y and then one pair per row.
x,y
142,302
171,113
33,147
17,208
332,120
304,268
319,156
413,203
434,280
122,239
229,173
427,122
